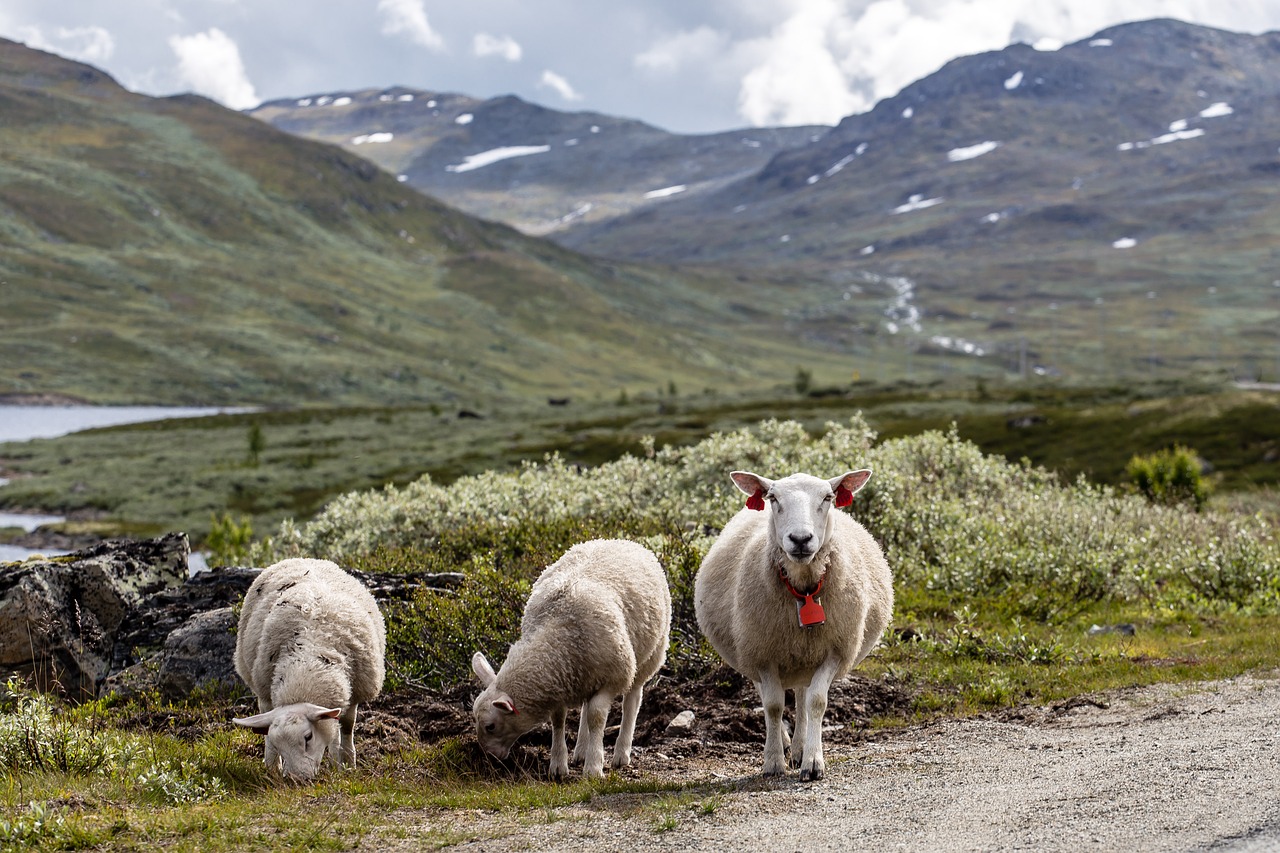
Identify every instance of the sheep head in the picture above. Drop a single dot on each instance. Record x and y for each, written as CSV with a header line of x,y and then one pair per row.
x,y
297,736
498,721
799,507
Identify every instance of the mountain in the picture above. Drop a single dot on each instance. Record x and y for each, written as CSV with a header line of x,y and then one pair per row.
x,y
169,250
537,169
1107,208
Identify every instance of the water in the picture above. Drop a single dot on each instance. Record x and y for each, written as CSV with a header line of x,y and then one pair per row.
x,y
9,553
23,423
28,521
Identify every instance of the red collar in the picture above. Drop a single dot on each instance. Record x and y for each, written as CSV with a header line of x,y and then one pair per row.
x,y
808,610
800,596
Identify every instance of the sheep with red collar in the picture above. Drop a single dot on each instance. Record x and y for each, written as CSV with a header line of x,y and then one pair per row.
x,y
311,644
596,625
794,595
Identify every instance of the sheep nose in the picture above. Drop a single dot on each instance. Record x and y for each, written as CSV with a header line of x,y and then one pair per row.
x,y
800,539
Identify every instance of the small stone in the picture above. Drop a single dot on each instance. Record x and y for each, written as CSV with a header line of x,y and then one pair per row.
x,y
681,723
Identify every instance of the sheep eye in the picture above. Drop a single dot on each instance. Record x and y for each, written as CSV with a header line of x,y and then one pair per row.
x,y
307,737
488,727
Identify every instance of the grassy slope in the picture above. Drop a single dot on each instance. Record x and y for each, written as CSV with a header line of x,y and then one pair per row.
x,y
173,251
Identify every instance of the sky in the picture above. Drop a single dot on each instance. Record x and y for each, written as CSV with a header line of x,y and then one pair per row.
x,y
689,66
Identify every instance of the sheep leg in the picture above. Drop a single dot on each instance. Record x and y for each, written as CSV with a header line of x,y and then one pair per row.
x,y
797,742
559,752
580,745
597,715
347,736
774,698
812,765
630,710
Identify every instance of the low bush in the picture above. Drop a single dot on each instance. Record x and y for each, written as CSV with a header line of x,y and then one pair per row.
x,y
950,518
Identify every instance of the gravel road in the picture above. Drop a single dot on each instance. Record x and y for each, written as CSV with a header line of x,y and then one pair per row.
x,y
1177,768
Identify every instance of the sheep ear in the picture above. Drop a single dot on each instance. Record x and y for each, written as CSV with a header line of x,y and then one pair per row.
x,y
750,484
847,485
315,712
504,703
480,666
259,723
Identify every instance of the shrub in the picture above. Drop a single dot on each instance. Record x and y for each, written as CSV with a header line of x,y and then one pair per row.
x,y
949,518
1170,477
229,541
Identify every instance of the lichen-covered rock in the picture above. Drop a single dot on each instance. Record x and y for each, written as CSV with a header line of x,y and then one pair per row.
x,y
59,616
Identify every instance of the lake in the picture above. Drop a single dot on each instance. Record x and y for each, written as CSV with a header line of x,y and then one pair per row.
x,y
23,423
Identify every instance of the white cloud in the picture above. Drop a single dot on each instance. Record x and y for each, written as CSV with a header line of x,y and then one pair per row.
x,y
409,18
825,59
84,44
506,47
800,80
676,52
210,64
552,80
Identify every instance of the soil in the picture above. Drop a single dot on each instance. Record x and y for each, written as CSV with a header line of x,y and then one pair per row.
x,y
1168,767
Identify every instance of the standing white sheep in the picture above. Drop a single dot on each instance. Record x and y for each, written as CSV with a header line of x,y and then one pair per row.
x,y
596,625
311,644
793,595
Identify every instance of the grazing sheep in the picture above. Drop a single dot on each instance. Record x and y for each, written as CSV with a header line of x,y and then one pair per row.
x,y
794,596
596,625
311,644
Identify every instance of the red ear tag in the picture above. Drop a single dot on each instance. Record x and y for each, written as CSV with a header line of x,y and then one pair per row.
x,y
811,612
756,501
844,497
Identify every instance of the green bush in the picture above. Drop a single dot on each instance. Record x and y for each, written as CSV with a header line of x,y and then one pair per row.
x,y
1170,477
950,519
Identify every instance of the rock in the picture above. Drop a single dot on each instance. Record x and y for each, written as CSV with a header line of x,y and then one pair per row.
x,y
681,724
126,617
146,629
59,616
200,654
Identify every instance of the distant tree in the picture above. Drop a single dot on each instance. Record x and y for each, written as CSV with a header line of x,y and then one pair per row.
x,y
622,397
1169,477
804,380
256,443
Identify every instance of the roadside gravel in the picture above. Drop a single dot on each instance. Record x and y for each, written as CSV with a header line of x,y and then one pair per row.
x,y
1170,767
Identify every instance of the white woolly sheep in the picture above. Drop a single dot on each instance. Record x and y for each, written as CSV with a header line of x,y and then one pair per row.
x,y
596,625
311,644
793,595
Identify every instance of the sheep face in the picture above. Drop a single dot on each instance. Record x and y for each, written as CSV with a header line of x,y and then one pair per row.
x,y
799,506
498,721
297,737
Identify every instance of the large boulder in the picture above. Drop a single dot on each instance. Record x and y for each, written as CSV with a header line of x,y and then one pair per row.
x,y
59,617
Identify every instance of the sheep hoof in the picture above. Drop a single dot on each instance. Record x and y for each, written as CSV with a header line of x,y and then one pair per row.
x,y
812,774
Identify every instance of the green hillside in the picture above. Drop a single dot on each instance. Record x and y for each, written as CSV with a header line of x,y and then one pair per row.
x,y
170,250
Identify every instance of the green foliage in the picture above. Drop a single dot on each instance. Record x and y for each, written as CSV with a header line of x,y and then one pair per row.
x,y
229,541
36,736
178,783
37,827
1170,477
